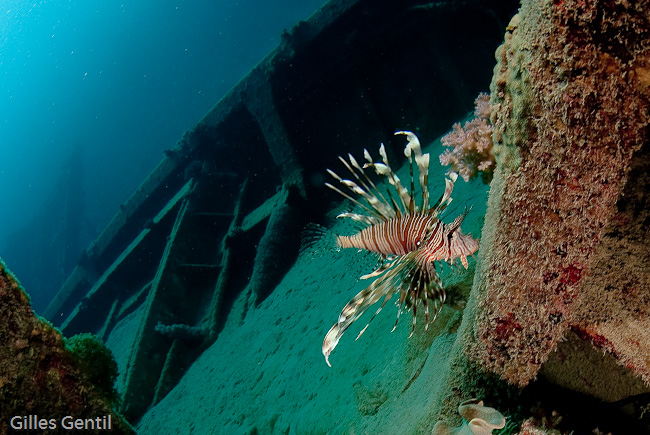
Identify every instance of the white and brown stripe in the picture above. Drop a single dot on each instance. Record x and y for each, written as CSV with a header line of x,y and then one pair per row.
x,y
397,236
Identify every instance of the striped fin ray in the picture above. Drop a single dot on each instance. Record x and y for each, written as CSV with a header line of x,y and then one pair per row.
x,y
373,216
385,170
384,264
414,150
413,281
445,199
425,286
384,286
458,221
376,207
358,218
374,198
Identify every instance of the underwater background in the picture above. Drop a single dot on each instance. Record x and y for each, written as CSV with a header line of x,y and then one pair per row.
x,y
195,192
92,93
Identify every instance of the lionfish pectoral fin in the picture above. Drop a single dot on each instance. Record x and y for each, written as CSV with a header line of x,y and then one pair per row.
x,y
316,239
399,311
331,340
351,312
372,274
386,263
383,304
384,286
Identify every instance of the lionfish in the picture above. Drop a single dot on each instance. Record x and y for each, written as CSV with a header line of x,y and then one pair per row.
x,y
408,237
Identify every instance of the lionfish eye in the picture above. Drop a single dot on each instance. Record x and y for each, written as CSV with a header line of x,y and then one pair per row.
x,y
418,243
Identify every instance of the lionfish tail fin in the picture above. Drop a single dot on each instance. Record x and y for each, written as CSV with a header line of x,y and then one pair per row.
x,y
316,239
460,245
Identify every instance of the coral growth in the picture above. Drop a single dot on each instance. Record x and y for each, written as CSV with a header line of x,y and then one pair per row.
x,y
477,420
528,427
471,144
613,310
279,245
571,100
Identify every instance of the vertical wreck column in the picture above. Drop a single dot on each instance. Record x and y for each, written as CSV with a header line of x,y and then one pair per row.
x,y
571,97
258,98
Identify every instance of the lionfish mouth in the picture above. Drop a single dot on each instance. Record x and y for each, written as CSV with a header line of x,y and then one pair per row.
x,y
407,236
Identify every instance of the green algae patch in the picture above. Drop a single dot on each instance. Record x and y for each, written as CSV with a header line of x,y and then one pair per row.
x,y
41,381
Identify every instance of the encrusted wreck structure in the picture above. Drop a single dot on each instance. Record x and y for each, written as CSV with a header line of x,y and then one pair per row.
x,y
564,258
43,379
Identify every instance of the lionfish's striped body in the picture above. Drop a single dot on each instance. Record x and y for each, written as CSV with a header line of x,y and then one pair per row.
x,y
409,237
397,236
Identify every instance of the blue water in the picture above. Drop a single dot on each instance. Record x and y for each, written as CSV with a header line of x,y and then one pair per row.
x,y
116,83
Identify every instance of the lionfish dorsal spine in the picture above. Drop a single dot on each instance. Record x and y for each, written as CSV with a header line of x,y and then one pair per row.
x,y
350,198
358,218
370,195
404,195
377,207
445,199
413,151
457,222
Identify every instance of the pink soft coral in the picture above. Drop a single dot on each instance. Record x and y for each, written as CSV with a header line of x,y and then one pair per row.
x,y
471,144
